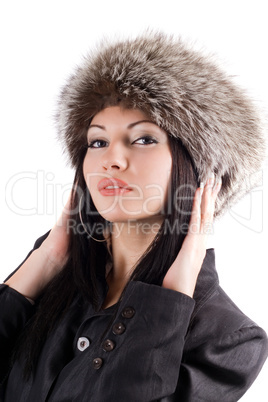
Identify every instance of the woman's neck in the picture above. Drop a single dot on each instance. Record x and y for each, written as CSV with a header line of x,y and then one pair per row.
x,y
129,240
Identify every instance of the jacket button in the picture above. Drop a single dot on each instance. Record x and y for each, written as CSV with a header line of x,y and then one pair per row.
x,y
108,345
118,328
83,343
97,363
128,312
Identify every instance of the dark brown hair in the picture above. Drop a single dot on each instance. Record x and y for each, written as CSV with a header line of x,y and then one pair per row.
x,y
85,268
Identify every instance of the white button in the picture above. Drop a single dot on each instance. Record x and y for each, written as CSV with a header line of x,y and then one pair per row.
x,y
83,343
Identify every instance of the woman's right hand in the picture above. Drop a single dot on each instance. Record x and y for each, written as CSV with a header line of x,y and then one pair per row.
x,y
183,273
46,261
55,246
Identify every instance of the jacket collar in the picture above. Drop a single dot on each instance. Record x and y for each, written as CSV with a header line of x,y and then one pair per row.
x,y
208,278
206,282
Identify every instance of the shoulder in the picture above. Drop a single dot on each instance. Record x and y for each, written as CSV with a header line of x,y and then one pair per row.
x,y
215,314
219,316
224,349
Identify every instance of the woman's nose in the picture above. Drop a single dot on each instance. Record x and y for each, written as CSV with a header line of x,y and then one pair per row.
x,y
115,158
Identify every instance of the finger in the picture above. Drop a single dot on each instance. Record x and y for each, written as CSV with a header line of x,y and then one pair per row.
x,y
211,192
207,201
66,212
216,189
194,224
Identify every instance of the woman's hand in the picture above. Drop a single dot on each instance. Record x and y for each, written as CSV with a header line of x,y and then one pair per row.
x,y
183,273
55,246
46,261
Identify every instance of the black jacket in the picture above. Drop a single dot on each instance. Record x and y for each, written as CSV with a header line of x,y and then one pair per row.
x,y
161,346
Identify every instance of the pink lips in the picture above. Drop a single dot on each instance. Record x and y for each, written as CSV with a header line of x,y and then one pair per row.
x,y
113,186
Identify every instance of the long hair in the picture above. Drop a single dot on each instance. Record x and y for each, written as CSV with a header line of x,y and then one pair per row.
x,y
79,279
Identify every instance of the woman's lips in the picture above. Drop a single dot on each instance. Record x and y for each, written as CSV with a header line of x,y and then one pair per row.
x,y
113,186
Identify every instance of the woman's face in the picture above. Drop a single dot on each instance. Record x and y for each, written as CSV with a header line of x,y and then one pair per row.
x,y
128,165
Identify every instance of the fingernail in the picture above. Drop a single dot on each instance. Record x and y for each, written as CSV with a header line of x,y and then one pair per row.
x,y
211,179
201,184
218,184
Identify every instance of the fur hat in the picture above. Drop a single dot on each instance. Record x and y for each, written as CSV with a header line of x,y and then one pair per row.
x,y
184,92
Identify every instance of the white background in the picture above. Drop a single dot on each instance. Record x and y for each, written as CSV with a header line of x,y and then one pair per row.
x,y
40,44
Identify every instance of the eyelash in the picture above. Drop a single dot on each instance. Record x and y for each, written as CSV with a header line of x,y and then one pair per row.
x,y
147,137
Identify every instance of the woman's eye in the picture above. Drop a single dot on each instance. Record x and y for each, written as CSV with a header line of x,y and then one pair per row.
x,y
97,144
146,140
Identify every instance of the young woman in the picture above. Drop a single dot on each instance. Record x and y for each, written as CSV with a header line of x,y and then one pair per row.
x,y
121,301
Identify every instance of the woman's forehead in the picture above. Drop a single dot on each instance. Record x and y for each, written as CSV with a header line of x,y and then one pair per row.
x,y
119,113
127,119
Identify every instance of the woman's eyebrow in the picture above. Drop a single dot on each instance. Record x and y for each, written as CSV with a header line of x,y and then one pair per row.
x,y
139,122
97,125
131,125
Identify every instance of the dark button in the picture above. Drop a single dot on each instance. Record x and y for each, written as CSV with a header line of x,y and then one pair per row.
x,y
97,363
83,343
118,328
108,345
128,312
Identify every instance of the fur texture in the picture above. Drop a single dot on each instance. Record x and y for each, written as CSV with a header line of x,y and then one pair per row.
x,y
184,92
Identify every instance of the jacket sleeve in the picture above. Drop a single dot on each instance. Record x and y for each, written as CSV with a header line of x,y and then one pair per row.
x,y
15,311
223,356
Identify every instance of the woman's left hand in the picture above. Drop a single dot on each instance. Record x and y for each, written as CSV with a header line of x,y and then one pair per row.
x,y
183,273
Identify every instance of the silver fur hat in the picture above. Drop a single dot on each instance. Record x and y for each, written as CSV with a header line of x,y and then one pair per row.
x,y
184,92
